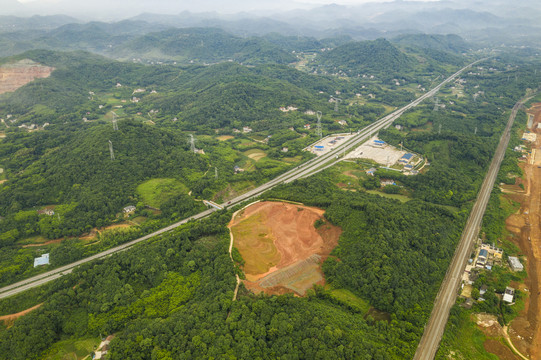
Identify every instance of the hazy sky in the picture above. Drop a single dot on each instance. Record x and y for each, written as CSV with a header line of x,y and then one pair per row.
x,y
119,9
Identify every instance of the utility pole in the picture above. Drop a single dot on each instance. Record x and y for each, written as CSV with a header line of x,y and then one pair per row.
x,y
111,150
319,132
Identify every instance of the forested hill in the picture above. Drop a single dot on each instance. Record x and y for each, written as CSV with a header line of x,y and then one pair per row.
x,y
74,168
66,91
225,94
378,56
450,43
207,45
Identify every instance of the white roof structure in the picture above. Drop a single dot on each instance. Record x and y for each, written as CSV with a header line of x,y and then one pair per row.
x,y
508,295
42,260
515,263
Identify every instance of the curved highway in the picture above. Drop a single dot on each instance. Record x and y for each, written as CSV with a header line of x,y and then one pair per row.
x,y
308,168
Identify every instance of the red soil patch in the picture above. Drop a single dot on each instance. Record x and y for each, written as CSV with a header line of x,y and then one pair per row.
x,y
14,76
55,241
525,330
9,319
497,348
281,247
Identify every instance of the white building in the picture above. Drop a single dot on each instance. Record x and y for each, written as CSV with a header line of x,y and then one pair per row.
x,y
515,263
42,260
508,295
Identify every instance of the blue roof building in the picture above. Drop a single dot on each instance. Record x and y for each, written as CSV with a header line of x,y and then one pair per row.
x,y
407,156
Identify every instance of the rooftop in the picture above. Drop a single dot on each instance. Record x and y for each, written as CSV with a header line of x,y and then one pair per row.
x,y
42,260
407,156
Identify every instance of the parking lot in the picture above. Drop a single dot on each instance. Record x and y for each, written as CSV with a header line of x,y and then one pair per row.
x,y
328,143
380,152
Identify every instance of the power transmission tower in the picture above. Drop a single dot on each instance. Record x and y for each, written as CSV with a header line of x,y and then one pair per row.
x,y
336,101
115,125
111,150
192,143
215,172
439,131
319,132
436,104
475,131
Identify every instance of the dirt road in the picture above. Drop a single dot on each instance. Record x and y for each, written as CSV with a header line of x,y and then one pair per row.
x,y
528,324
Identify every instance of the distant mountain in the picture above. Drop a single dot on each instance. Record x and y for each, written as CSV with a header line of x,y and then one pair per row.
x,y
201,45
450,43
378,56
36,22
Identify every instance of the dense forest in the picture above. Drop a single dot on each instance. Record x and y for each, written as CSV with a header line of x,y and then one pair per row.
x,y
123,294
171,298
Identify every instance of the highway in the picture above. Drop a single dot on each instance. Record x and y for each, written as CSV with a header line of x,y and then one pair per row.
x,y
306,169
446,297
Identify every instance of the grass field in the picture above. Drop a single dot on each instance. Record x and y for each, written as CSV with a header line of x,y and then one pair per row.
x,y
351,300
401,198
256,246
225,137
292,160
139,220
255,154
72,349
155,192
464,340
33,240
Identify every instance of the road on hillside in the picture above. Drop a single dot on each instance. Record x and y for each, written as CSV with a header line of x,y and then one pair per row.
x,y
308,168
446,297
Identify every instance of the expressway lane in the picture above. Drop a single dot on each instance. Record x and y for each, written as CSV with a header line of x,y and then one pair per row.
x,y
310,167
446,297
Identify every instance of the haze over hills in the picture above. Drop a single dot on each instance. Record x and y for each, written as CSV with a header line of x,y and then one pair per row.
x,y
128,123
481,21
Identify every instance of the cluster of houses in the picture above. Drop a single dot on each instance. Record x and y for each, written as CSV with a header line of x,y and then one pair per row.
x,y
485,258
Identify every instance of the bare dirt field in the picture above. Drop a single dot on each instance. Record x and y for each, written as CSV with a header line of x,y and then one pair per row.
x,y
9,319
282,249
495,336
14,76
525,226
225,137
